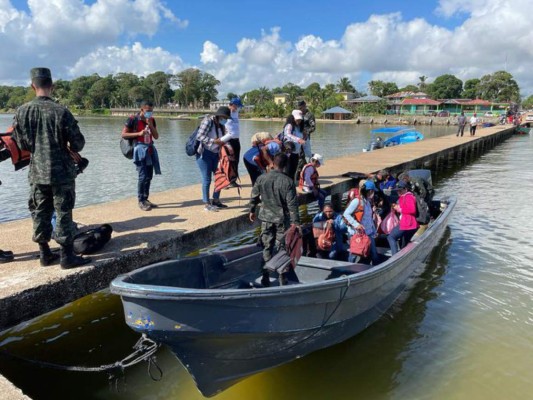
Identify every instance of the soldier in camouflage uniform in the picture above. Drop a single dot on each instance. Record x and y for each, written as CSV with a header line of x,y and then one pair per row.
x,y
50,132
279,206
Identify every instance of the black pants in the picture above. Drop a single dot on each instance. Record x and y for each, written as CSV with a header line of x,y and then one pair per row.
x,y
253,170
236,145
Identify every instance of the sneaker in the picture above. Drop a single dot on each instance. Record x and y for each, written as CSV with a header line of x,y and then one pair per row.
x,y
209,207
218,204
151,204
143,205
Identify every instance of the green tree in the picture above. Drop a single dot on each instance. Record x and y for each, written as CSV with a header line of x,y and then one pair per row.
x,y
101,93
207,89
79,88
61,91
422,85
345,85
125,81
499,87
445,87
18,96
471,89
382,89
139,93
159,84
408,88
187,82
528,103
231,95
313,95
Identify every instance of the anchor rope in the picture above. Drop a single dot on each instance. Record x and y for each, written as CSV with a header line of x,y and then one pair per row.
x,y
143,350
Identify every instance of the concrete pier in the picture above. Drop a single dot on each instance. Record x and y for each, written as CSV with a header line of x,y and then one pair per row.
x,y
180,225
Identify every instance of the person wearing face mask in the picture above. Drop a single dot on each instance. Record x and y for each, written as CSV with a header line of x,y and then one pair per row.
x,y
143,129
210,133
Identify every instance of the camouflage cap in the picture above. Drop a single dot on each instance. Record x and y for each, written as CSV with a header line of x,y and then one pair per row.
x,y
40,73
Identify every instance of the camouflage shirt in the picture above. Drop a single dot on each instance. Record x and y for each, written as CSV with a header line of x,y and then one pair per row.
x,y
47,130
277,193
309,122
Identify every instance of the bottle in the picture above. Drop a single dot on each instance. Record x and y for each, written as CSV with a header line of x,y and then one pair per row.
x,y
147,134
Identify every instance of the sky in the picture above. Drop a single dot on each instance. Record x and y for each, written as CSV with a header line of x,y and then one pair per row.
x,y
249,44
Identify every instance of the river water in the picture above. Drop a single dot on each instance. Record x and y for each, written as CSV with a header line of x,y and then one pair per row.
x,y
464,331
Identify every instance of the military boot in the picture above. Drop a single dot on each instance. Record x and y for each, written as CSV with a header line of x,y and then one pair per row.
x,y
71,260
46,256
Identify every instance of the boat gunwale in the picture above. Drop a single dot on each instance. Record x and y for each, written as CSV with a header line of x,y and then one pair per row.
x,y
157,292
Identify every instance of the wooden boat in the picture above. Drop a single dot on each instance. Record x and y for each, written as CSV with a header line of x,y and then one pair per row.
x,y
223,325
397,135
522,130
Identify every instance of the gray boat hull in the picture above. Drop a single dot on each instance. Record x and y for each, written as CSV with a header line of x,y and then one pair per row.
x,y
224,335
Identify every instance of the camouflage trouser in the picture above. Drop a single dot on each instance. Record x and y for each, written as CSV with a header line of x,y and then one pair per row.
x,y
271,235
44,199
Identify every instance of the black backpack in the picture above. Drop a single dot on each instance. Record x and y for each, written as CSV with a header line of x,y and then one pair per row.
x,y
127,145
92,240
422,210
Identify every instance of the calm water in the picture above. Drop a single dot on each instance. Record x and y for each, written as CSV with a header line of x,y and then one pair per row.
x,y
463,332
110,176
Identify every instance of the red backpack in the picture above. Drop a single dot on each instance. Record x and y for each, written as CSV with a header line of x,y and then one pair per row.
x,y
19,158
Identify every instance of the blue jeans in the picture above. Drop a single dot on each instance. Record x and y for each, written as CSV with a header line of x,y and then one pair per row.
x,y
208,163
146,173
397,234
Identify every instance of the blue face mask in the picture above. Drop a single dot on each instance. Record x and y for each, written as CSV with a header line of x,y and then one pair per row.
x,y
148,114
222,121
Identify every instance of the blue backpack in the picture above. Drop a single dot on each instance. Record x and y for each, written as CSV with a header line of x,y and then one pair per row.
x,y
191,147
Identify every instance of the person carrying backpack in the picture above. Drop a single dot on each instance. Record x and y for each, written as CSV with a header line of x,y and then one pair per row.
x,y
210,133
142,128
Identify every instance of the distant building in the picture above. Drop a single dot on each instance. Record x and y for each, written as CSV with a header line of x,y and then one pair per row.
x,y
214,105
281,98
420,106
337,113
347,95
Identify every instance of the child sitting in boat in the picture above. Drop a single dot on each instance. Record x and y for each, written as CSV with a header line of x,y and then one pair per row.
x,y
328,231
309,180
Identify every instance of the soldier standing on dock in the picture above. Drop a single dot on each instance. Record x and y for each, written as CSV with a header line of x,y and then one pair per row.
x,y
50,132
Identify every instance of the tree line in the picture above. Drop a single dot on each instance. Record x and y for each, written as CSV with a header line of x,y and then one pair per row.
x,y
193,88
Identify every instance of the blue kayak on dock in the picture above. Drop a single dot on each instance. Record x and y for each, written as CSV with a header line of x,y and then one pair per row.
x,y
396,135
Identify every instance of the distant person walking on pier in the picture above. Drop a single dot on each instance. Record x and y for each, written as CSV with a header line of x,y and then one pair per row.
x,y
210,135
308,128
143,129
461,123
233,130
50,132
473,124
279,207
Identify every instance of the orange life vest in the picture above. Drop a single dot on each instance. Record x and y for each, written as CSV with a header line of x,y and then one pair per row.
x,y
226,172
314,176
19,158
359,211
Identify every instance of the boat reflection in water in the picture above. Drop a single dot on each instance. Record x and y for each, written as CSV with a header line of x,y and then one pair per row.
x,y
222,327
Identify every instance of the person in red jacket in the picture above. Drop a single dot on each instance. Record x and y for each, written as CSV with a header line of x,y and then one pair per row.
x,y
408,225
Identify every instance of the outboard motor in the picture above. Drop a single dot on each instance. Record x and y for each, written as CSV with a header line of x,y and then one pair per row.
x,y
376,144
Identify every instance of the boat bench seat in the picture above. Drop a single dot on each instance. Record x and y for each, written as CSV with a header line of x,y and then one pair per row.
x,y
339,267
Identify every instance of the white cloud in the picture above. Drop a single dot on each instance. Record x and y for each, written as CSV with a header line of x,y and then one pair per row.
x,y
63,32
136,59
76,38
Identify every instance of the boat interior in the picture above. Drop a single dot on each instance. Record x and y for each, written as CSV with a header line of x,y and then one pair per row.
x,y
241,269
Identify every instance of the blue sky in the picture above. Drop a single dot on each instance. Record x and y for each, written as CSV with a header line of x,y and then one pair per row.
x,y
248,44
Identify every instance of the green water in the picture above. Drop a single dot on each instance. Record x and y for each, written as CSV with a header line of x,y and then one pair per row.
x,y
464,331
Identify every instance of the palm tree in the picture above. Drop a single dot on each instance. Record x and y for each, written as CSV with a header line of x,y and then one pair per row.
x,y
422,84
344,85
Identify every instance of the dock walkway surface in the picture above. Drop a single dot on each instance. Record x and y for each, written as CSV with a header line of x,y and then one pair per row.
x,y
180,225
